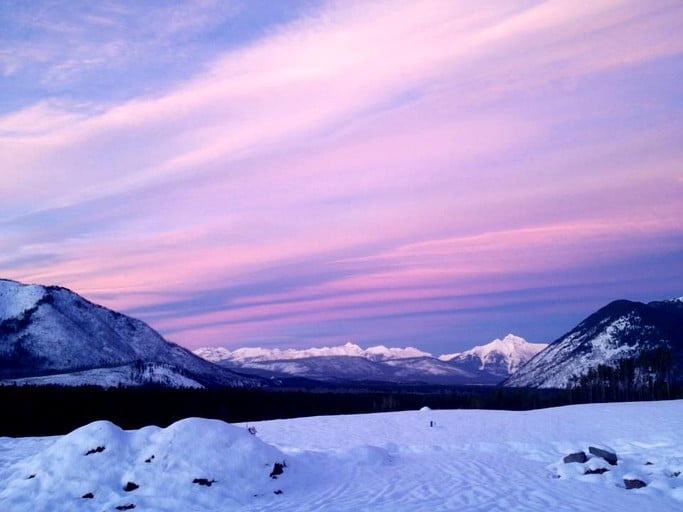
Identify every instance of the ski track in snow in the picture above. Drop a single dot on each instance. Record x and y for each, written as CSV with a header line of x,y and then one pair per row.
x,y
469,461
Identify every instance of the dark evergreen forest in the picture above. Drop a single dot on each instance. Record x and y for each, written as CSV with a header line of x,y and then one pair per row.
x,y
52,410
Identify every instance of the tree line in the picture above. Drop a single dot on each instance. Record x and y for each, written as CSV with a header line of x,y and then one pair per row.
x,y
53,410
651,375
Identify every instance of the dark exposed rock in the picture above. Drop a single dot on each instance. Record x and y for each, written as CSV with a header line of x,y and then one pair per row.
x,y
278,469
279,491
88,496
31,476
596,471
99,449
579,457
150,459
131,486
634,483
203,481
609,456
648,463
125,507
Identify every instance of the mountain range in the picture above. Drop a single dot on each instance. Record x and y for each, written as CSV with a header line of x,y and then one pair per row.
x,y
486,364
51,335
244,355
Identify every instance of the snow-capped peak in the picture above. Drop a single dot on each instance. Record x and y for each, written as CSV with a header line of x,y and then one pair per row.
x,y
512,351
253,354
382,352
15,298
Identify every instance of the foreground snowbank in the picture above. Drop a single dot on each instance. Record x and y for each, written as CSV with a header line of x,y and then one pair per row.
x,y
195,462
466,460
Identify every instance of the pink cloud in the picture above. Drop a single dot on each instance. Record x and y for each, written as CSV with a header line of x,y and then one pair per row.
x,y
446,143
435,275
288,86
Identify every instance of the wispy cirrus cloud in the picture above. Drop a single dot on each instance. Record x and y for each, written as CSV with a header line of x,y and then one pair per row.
x,y
374,150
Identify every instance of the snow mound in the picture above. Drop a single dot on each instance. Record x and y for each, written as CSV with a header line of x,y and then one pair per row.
x,y
203,461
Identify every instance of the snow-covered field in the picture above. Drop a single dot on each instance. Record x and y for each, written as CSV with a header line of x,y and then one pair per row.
x,y
467,461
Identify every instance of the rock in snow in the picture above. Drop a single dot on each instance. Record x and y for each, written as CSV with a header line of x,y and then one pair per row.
x,y
634,483
579,457
605,453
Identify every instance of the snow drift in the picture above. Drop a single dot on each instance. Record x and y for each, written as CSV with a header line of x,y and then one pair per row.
x,y
426,460
100,467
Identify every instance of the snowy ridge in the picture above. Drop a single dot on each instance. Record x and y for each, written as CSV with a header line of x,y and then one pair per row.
x,y
605,348
243,355
621,330
470,460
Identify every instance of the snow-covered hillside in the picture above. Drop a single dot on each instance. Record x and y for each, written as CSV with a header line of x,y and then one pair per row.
x,y
430,461
619,331
129,375
500,357
348,369
47,331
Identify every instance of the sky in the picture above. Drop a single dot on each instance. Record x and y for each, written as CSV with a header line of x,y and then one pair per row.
x,y
306,173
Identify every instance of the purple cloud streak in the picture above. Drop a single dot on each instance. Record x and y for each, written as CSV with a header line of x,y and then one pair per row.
x,y
435,174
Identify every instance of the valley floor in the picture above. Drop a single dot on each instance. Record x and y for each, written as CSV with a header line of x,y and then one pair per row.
x,y
467,460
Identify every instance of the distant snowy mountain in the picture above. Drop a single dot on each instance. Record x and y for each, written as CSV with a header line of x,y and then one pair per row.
x,y
499,357
435,371
244,355
52,335
647,336
488,364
